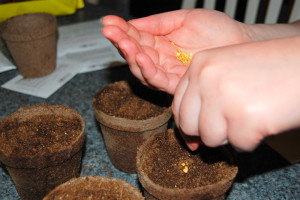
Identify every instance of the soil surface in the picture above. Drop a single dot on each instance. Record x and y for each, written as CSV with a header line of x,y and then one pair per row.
x,y
40,134
93,189
171,165
136,102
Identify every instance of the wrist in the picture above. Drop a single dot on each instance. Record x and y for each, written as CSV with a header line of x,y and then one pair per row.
x,y
260,32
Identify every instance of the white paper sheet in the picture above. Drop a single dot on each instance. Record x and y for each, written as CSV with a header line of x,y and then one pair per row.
x,y
81,48
47,85
85,43
5,64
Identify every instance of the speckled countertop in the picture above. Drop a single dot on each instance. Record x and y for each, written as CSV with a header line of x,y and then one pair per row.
x,y
263,174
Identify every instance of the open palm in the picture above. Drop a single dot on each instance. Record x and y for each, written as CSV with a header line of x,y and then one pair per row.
x,y
148,43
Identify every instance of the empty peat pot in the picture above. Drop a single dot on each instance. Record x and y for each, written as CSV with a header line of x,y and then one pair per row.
x,y
129,113
94,188
167,170
32,42
41,147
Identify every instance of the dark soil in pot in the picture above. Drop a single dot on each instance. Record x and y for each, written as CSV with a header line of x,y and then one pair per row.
x,y
168,170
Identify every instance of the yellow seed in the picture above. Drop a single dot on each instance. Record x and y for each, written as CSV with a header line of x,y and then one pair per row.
x,y
183,56
186,169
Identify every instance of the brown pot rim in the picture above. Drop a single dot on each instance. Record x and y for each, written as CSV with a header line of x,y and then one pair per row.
x,y
60,154
131,125
152,187
9,33
97,179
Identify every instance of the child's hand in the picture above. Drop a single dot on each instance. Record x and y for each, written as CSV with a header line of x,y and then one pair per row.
x,y
146,43
240,93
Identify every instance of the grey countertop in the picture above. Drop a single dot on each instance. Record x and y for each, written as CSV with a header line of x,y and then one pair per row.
x,y
263,174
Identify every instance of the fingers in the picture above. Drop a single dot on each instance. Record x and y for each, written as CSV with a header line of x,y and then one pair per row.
x,y
197,109
189,110
123,36
114,34
177,99
192,142
126,28
130,49
212,121
245,135
184,117
212,124
143,67
114,21
139,43
197,118
156,76
160,24
244,140
114,29
117,31
202,116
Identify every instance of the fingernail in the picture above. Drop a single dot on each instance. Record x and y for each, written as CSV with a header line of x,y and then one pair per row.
x,y
193,146
225,142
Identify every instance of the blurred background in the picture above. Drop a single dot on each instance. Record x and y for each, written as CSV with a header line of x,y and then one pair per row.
x,y
249,11
138,8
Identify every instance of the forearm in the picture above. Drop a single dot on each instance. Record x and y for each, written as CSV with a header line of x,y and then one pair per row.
x,y
259,32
